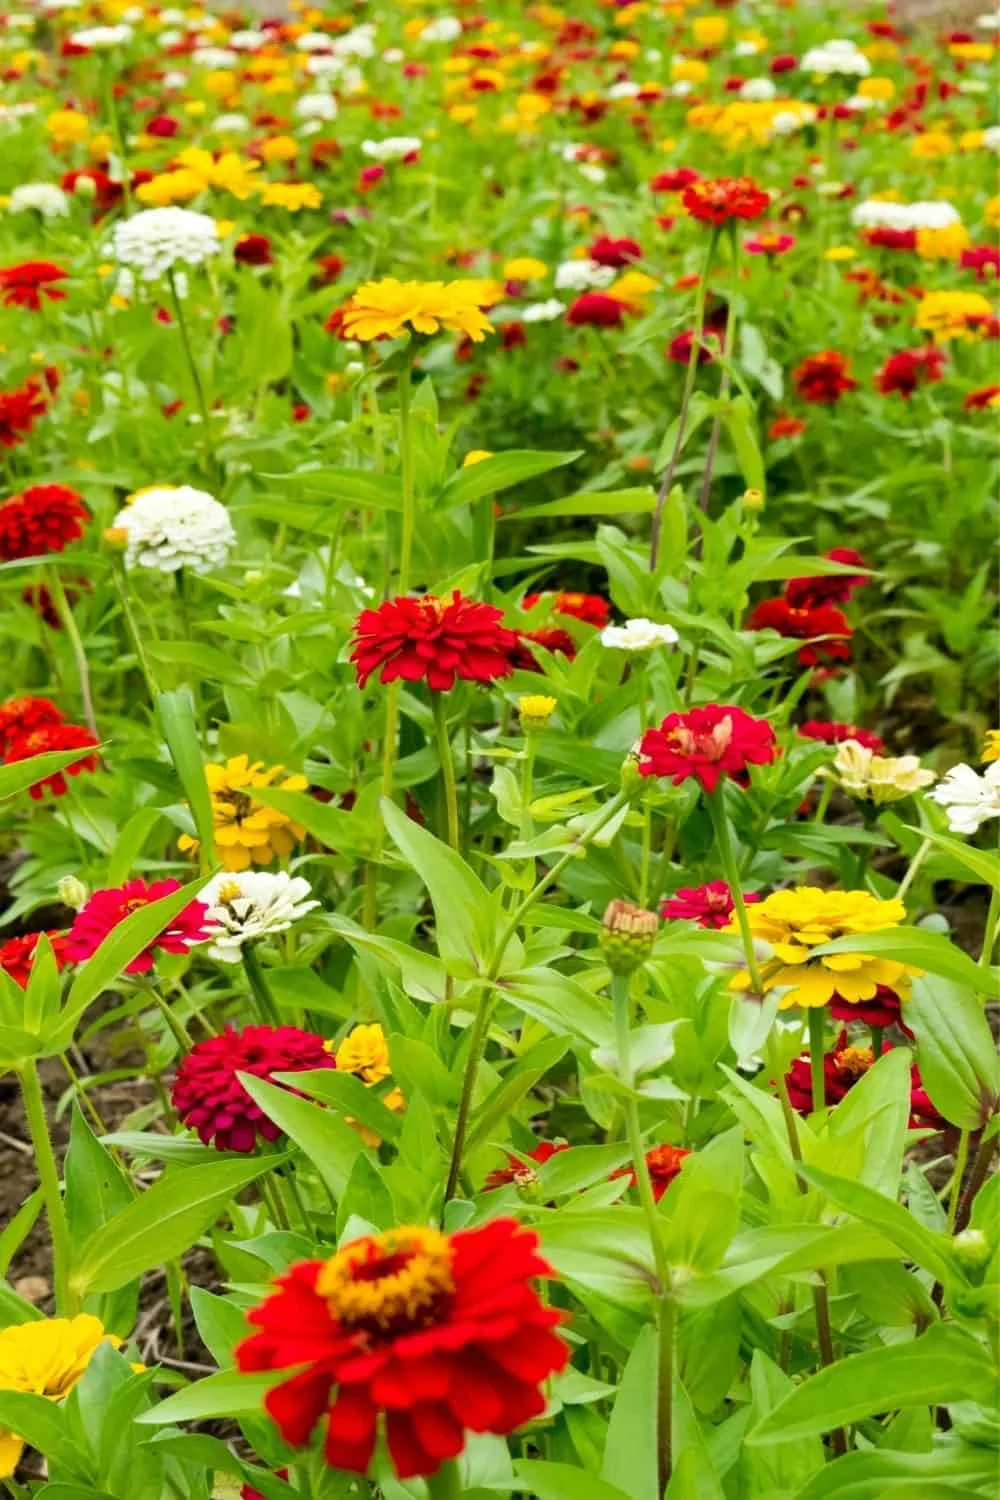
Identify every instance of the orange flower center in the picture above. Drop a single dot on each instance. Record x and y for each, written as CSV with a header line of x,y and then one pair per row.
x,y
855,1060
389,1284
133,904
711,745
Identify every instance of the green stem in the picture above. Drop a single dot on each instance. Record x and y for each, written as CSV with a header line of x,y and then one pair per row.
x,y
876,1038
958,1176
990,934
527,825
68,623
817,1044
176,1026
132,630
913,869
406,479
724,846
67,1302
84,1099
193,369
825,797
446,1483
263,999
447,767
477,1042
726,360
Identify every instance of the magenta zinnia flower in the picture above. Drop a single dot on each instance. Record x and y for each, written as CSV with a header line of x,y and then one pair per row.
x,y
106,909
709,905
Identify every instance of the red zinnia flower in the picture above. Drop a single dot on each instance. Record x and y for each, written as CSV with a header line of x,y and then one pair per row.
x,y
434,640
675,180
842,1069
23,716
983,399
516,1171
983,259
615,252
438,1333
590,608
828,588
106,909
904,371
53,737
805,625
663,1164
823,378
883,1009
43,518
208,1095
595,310
550,638
769,244
786,426
836,734
26,284
19,411
679,348
253,250
707,743
709,905
717,200
17,954
884,238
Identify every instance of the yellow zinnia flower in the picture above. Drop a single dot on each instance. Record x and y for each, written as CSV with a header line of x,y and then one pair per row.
x,y
385,309
291,195
525,268
246,832
45,1358
365,1052
931,146
67,126
535,710
796,921
951,315
991,747
946,243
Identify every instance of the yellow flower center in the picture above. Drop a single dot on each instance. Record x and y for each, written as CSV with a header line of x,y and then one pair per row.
x,y
855,1060
389,1284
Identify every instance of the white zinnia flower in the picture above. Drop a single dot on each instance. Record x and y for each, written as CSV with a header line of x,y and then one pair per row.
x,y
99,38
758,88
314,41
248,41
357,43
876,213
969,799
169,527
639,634
581,275
316,107
176,78
991,138
393,148
836,57
251,904
878,778
43,197
443,29
627,89
542,312
231,124
219,59
154,241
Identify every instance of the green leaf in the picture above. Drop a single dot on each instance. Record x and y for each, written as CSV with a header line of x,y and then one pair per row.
x,y
737,416
927,1248
354,486
462,907
913,945
517,1081
349,1096
16,1231
956,1051
639,500
21,774
548,1481
330,1145
942,1365
180,730
499,472
164,1222
343,832
42,1425
630,1453
952,1472
208,662
228,1394
982,863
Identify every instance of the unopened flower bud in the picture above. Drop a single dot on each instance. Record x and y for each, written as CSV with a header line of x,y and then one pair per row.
x,y
753,500
84,187
72,892
627,935
972,1249
632,779
535,710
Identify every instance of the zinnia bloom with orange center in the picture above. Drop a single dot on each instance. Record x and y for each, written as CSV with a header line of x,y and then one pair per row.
x,y
707,743
823,378
105,910
717,200
22,716
426,1334
26,284
433,640
389,308
811,623
43,518
53,737
663,1163
19,411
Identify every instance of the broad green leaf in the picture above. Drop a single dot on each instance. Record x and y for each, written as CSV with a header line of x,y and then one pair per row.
x,y
630,1453
635,501
43,1425
21,774
517,1081
356,487
956,1051
927,1249
499,472
912,945
870,1124
16,1231
549,1481
950,1473
164,1222
330,1145
178,721
343,832
349,1096
462,907
207,662
942,1365
981,863
228,1394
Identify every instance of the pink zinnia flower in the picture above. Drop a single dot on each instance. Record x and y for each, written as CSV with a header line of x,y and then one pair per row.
x,y
106,909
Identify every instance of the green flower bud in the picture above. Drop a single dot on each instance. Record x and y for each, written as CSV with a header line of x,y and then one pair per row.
x,y
627,935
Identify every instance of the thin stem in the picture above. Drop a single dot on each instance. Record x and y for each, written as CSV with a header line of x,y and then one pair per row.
x,y
81,1093
406,478
67,1302
825,798
132,630
192,367
961,1161
180,1033
445,1483
68,623
913,869
816,1057
724,845
447,768
263,999
726,356
689,379
992,927
527,824
477,1040
876,1036
980,1168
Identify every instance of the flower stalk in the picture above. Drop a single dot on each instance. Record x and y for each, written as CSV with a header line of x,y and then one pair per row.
x,y
67,1302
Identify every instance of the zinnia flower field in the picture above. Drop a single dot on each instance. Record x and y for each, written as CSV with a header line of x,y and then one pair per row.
x,y
499,882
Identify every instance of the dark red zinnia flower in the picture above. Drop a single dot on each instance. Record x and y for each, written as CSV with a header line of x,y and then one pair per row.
x,y
907,369
823,378
595,310
785,426
590,608
608,251
517,1172
106,909
806,624
25,285
884,238
717,200
882,1010
432,640
330,268
679,348
19,411
983,259
675,180
435,1334
836,734
842,1069
208,1095
707,743
663,1164
709,905
53,737
43,518
253,250
984,399
17,954
549,638
23,716
828,588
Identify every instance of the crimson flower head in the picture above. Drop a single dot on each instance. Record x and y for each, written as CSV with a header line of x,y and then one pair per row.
x,y
595,310
53,737
823,378
23,716
663,1164
17,954
836,734
984,260
209,1097
43,518
517,1173
253,250
785,426
984,399
828,588
106,909
882,237
25,285
549,638
769,244
708,744
806,624
433,640
674,180
842,1069
19,411
709,905
680,347
718,200
618,253
882,1010
904,371
591,609
434,1334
